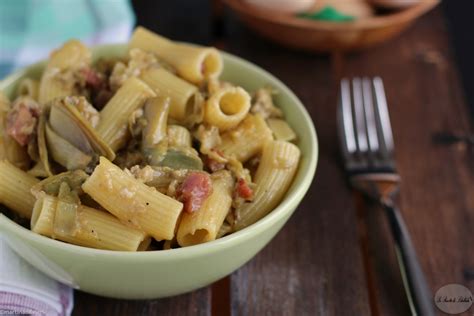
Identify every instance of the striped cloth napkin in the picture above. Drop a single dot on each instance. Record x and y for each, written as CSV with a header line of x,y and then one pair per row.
x,y
29,30
25,290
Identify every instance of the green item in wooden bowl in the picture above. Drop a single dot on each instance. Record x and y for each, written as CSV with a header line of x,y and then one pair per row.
x,y
328,13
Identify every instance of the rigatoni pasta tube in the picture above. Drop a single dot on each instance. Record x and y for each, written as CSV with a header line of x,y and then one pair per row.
x,y
180,92
42,219
116,113
15,186
73,55
193,63
98,229
132,201
247,139
51,87
94,228
178,136
227,107
274,175
203,225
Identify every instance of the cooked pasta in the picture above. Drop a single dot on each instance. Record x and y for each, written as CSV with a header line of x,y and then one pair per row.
x,y
42,219
15,186
132,201
116,113
178,136
58,77
151,151
203,225
227,107
193,63
94,228
247,139
180,92
273,177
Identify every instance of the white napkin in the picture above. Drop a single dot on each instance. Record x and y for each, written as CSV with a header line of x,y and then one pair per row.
x,y
25,290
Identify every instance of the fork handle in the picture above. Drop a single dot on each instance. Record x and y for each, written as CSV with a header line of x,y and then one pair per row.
x,y
414,279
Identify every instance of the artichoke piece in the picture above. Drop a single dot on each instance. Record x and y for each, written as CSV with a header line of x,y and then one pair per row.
x,y
182,158
154,140
51,185
65,218
67,187
155,155
64,152
156,115
195,110
66,194
67,122
62,123
38,170
66,211
42,148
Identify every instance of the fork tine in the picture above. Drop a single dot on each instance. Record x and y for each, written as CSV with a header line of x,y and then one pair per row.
x,y
369,115
346,112
382,114
359,116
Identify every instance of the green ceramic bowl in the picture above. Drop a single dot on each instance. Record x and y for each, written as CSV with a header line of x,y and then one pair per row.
x,y
156,274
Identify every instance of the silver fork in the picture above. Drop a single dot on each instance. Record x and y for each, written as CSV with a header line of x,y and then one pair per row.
x,y
368,150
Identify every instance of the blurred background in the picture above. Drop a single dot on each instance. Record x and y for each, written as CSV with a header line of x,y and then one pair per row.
x,y
29,29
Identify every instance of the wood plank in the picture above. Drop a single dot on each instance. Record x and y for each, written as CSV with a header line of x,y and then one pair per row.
x,y
313,266
458,16
425,97
221,297
195,303
180,20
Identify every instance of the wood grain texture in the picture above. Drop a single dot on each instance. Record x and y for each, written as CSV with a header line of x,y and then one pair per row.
x,y
195,303
315,265
424,97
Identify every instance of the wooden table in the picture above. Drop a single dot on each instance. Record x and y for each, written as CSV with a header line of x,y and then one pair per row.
x,y
335,256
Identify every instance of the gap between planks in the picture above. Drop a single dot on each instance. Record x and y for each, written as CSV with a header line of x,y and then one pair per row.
x,y
221,297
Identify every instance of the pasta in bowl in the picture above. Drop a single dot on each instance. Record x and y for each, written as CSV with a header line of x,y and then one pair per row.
x,y
160,156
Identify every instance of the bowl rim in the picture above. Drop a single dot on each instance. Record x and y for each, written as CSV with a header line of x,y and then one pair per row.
x,y
201,249
398,17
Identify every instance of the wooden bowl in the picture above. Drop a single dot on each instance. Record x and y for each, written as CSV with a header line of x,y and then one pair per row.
x,y
324,36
